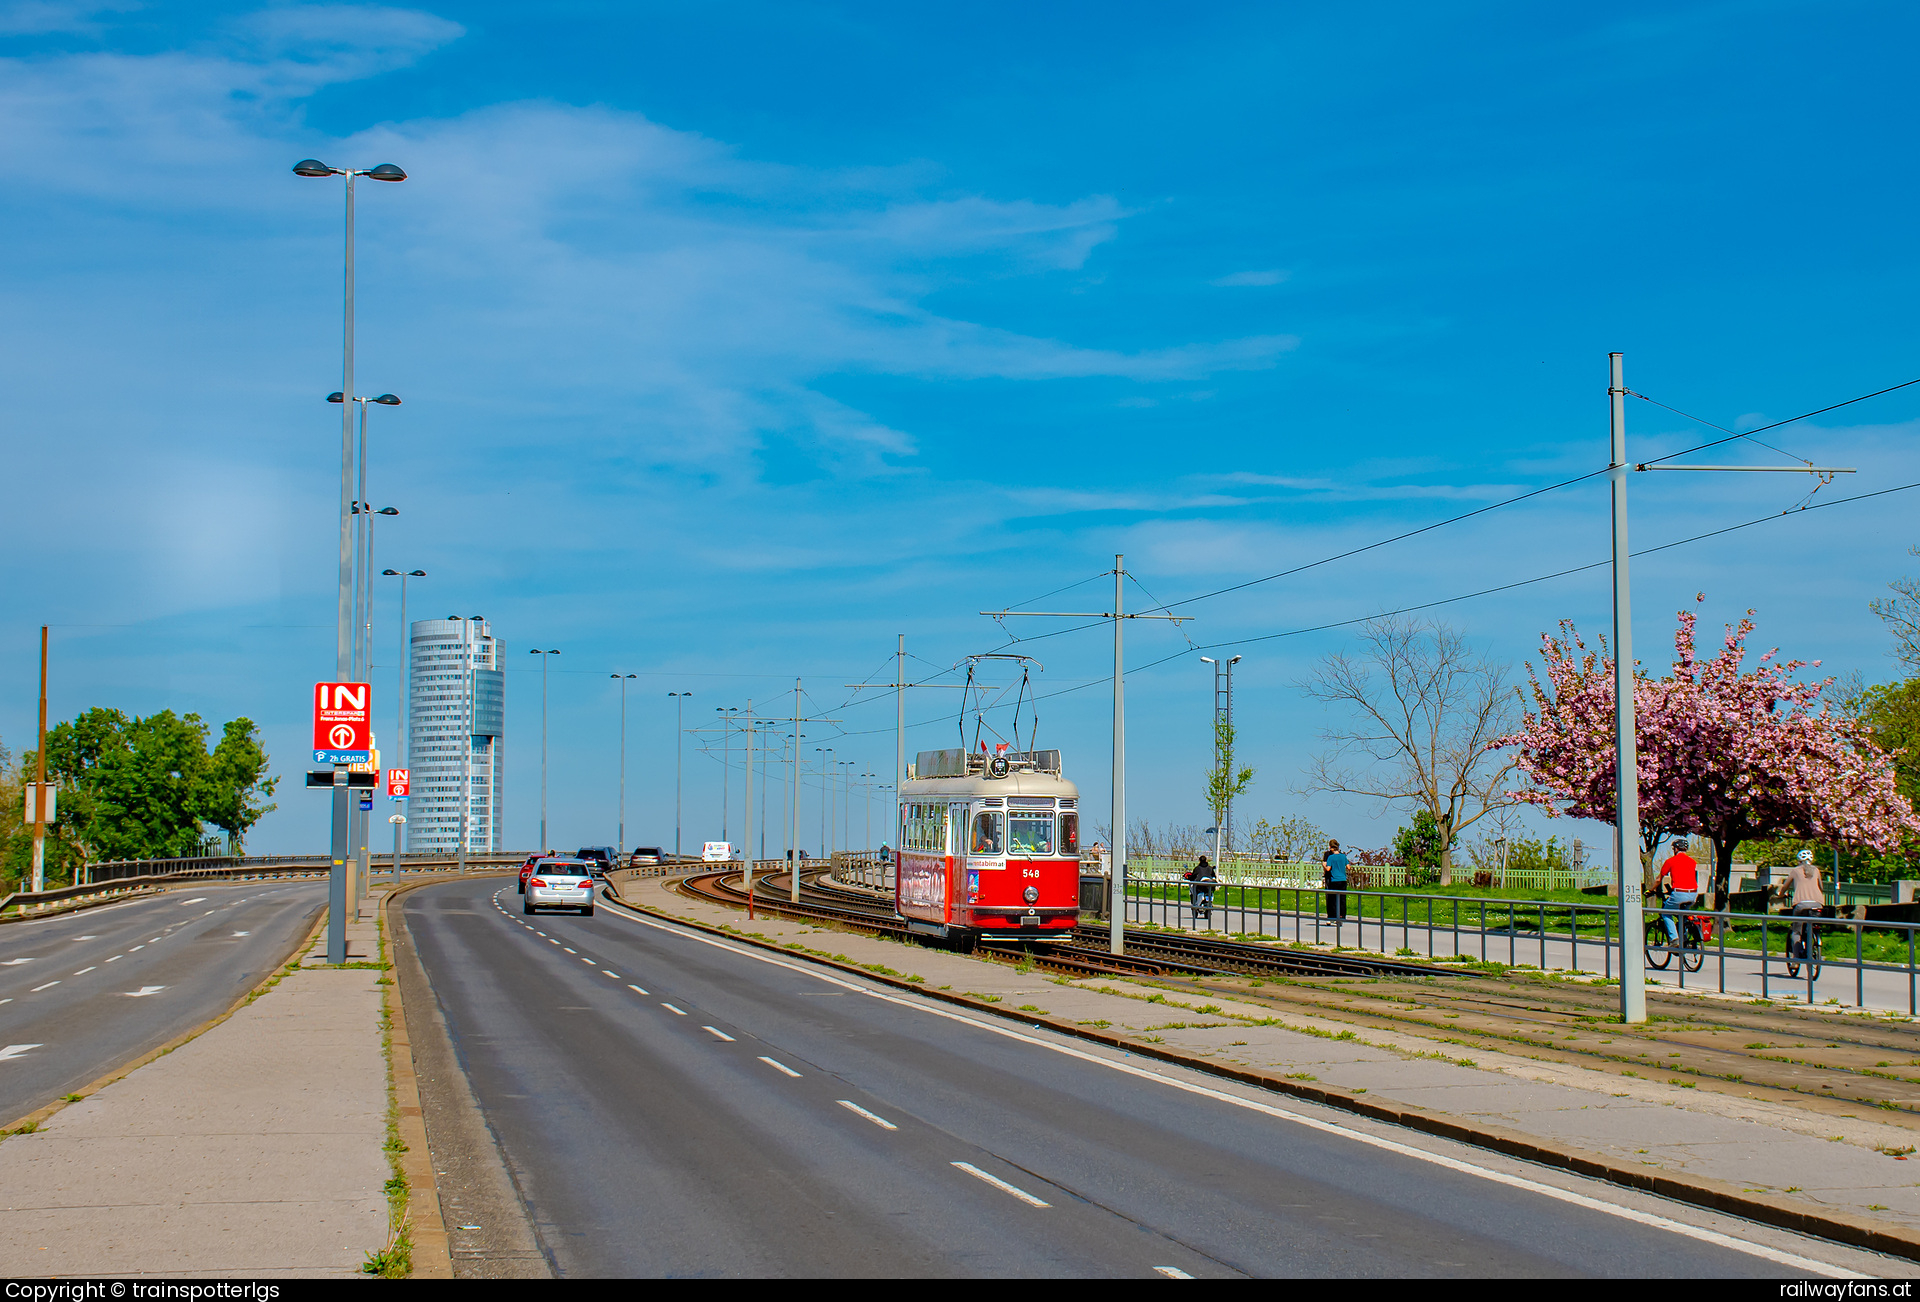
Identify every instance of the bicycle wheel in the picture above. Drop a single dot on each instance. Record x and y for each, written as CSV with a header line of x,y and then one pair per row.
x,y
1658,955
1692,954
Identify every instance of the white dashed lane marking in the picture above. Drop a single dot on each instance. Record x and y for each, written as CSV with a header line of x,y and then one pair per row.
x,y
778,1066
855,1108
15,1050
678,1011
716,1031
614,975
48,986
83,971
637,990
15,962
1171,1272
1002,1185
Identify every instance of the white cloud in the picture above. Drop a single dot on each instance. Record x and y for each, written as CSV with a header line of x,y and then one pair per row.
x,y
1241,279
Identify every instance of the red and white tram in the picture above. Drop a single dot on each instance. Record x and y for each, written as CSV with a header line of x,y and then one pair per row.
x,y
989,845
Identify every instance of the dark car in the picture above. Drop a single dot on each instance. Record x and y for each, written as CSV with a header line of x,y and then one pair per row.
x,y
645,856
601,857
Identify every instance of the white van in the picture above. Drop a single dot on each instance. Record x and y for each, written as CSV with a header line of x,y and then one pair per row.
x,y
717,852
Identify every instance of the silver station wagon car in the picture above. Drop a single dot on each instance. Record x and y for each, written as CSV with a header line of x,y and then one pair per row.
x,y
559,884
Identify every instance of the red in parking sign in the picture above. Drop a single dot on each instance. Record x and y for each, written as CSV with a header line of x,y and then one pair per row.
x,y
398,780
342,723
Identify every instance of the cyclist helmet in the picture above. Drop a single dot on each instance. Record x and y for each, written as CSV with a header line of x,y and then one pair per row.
x,y
1680,844
1805,856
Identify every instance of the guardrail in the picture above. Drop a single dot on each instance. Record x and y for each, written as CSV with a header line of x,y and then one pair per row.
x,y
1748,949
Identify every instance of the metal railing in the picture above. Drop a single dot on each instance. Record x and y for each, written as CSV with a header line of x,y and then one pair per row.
x,y
1748,951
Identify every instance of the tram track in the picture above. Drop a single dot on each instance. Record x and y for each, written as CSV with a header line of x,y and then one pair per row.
x,y
1082,953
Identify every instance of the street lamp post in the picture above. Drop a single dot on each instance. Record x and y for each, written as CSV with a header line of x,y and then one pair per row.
x,y
403,696
679,738
544,656
866,785
617,845
826,765
343,632
726,713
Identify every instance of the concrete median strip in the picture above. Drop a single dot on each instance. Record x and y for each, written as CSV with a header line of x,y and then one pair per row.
x,y
1832,1220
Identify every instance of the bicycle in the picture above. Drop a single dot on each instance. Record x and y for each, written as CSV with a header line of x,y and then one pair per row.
x,y
1687,940
1803,946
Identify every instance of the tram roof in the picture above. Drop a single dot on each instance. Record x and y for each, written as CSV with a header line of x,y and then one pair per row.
x,y
1020,782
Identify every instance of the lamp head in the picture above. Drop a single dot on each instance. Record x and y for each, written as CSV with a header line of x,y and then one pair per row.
x,y
387,572
387,400
1234,661
387,172
313,167
388,510
416,574
1208,660
336,397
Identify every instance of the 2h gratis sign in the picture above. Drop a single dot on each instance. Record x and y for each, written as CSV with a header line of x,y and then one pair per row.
x,y
342,723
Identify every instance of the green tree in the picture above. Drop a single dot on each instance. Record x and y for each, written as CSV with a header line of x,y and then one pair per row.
x,y
143,788
1422,846
1225,783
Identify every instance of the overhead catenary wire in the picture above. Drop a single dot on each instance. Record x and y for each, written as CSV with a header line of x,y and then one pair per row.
x,y
1760,429
1465,596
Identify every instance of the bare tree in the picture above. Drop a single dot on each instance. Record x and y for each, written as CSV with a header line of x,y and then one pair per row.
x,y
1424,706
1902,615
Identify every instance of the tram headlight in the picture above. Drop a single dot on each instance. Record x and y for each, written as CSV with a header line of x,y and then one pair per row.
x,y
1031,895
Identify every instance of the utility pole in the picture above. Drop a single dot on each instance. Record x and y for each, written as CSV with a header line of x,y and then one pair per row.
x,y
40,779
1117,882
793,807
1626,794
746,825
679,745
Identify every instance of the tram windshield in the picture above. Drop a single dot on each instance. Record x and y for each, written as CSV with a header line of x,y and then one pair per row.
x,y
986,833
1029,833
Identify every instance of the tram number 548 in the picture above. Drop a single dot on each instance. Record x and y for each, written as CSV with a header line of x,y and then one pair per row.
x,y
1029,872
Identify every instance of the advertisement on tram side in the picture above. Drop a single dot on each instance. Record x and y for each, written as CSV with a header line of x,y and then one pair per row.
x,y
923,886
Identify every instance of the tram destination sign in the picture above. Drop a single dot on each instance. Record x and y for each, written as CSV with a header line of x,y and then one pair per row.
x,y
342,723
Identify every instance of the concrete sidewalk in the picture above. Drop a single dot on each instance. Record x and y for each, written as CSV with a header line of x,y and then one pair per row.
x,y
255,1149
1828,1166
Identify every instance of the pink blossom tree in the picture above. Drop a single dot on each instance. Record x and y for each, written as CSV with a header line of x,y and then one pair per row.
x,y
1731,755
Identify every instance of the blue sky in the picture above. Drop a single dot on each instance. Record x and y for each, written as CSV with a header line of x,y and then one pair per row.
x,y
736,339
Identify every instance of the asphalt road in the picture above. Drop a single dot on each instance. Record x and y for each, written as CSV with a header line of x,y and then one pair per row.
x,y
668,1104
83,993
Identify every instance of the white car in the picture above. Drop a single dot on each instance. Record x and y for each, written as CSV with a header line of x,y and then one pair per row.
x,y
560,884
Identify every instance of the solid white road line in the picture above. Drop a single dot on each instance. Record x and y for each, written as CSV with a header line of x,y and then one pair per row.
x,y
716,1031
1002,1185
670,1008
48,986
1171,1272
778,1066
637,990
881,1122
1791,1260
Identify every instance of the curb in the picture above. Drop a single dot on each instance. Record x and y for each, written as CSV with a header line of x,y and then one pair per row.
x,y
432,1254
278,971
432,1246
1700,1191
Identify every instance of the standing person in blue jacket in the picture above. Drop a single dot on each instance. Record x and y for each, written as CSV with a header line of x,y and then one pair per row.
x,y
1336,874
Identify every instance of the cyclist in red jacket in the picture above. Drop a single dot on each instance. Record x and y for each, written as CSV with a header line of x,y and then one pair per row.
x,y
1681,874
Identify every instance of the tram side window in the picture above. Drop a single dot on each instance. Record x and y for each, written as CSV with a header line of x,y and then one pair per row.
x,y
986,832
1069,834
1029,833
956,829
